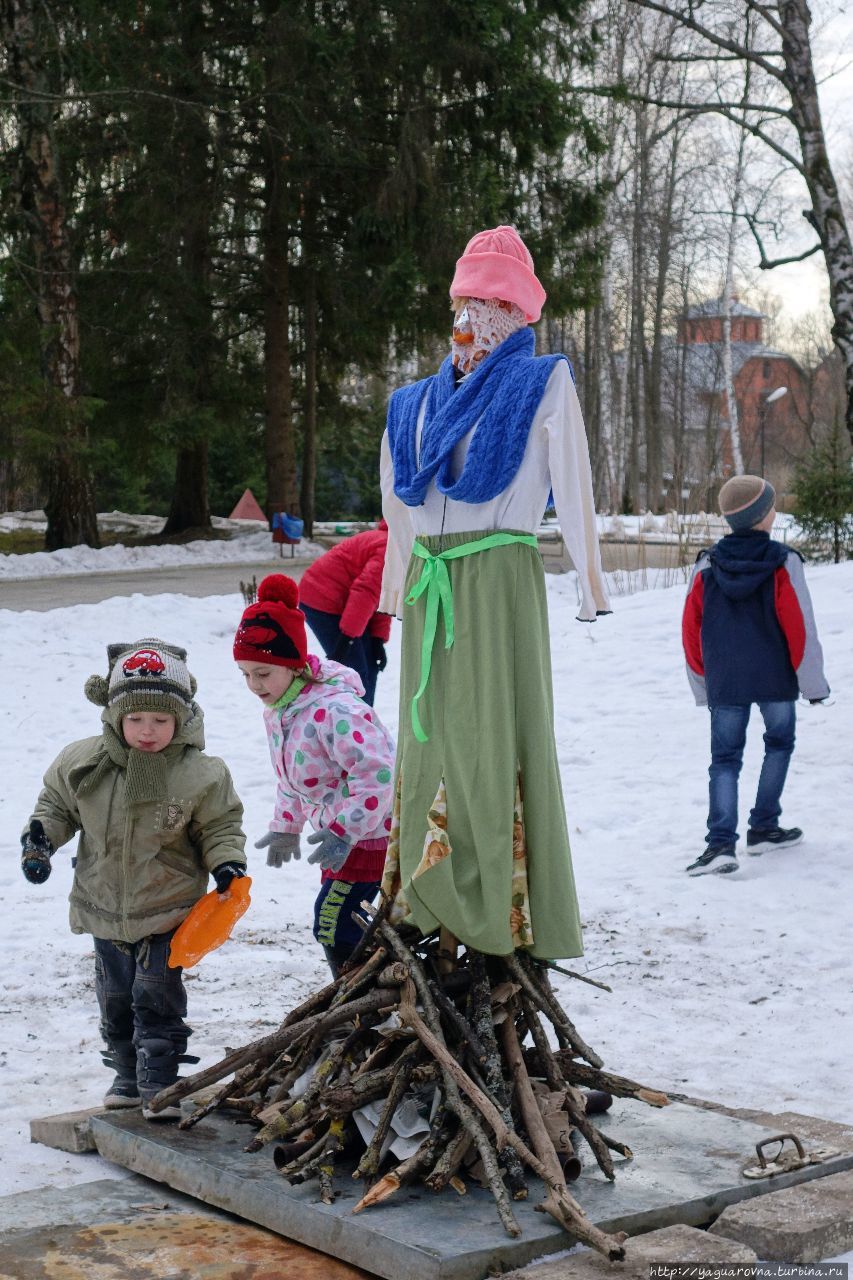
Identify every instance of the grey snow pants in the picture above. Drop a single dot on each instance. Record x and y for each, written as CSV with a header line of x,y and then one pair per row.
x,y
143,1004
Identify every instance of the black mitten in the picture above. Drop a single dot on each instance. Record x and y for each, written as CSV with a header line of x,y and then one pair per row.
x,y
340,653
36,852
225,873
378,656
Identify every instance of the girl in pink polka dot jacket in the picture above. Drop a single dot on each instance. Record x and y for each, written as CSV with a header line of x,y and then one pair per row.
x,y
333,759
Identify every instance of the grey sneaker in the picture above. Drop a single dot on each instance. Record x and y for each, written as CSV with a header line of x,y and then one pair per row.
x,y
167,1113
758,842
122,1093
718,859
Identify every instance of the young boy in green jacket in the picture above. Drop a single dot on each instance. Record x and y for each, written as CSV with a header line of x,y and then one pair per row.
x,y
156,816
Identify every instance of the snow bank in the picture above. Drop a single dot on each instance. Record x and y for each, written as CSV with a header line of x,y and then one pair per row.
x,y
245,548
701,528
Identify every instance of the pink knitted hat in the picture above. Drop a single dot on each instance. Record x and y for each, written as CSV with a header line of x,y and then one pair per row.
x,y
497,264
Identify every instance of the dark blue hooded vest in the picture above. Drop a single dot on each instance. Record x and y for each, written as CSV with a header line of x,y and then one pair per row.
x,y
744,649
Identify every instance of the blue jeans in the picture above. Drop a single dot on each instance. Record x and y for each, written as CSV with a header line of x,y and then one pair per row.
x,y
327,630
728,736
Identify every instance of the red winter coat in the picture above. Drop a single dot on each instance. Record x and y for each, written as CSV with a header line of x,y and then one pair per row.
x,y
347,580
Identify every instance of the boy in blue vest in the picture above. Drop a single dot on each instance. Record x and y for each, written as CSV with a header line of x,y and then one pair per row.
x,y
749,637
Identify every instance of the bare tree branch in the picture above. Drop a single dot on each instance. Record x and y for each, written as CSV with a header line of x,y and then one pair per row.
x,y
767,264
714,57
620,91
726,109
721,42
765,11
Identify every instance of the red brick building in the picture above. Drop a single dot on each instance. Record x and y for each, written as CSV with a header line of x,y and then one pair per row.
x,y
757,371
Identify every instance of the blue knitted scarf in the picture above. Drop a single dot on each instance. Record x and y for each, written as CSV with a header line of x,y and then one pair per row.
x,y
501,397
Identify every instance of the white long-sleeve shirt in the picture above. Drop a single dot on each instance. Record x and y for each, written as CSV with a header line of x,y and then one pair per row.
x,y
556,458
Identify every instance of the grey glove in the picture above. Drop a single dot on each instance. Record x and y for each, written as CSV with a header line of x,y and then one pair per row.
x,y
332,852
283,845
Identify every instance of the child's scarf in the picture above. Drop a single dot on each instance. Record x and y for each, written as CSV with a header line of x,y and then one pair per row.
x,y
500,397
146,772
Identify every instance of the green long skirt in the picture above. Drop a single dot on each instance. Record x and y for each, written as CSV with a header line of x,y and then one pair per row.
x,y
479,843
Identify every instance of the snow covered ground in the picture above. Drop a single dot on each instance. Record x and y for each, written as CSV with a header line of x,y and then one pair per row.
x,y
735,988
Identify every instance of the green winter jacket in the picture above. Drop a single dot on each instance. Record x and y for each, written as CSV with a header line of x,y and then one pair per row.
x,y
141,868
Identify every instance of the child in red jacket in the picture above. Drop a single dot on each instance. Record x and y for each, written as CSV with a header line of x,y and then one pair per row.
x,y
339,595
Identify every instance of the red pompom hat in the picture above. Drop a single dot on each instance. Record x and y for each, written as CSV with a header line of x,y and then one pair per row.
x,y
272,629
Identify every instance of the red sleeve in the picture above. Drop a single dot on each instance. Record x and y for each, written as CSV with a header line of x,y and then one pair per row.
x,y
380,627
691,626
790,616
363,596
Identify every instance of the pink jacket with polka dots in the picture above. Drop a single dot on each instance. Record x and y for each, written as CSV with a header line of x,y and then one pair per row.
x,y
334,761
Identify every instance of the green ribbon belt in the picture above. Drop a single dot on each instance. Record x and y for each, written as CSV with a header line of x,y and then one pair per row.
x,y
435,581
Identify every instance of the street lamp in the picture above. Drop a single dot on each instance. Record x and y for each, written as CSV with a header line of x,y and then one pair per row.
x,y
766,399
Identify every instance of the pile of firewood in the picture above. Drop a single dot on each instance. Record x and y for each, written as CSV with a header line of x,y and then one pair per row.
x,y
465,1036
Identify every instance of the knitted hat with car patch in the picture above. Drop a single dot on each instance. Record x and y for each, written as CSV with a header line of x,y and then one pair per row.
x,y
147,676
745,501
272,630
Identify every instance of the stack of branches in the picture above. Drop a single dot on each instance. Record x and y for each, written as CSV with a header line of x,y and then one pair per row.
x,y
406,1018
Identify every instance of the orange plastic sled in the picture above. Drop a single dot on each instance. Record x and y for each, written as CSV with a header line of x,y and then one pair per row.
x,y
209,924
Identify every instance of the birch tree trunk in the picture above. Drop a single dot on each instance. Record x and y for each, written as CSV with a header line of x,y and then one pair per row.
x,y
827,213
604,363
728,287
726,309
654,382
70,504
637,363
604,372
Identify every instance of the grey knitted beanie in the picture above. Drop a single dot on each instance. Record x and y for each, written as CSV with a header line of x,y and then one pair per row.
x,y
147,676
745,501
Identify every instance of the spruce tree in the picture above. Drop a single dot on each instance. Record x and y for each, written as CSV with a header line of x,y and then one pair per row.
x,y
824,488
40,227
266,196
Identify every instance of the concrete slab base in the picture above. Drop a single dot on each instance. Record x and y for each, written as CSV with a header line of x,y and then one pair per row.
x,y
800,1224
687,1169
671,1244
119,1229
68,1131
813,1130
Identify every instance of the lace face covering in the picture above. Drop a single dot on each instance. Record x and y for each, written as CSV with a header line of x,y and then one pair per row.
x,y
481,325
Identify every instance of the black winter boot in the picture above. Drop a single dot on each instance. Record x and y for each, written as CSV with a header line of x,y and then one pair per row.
x,y
124,1091
157,1068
